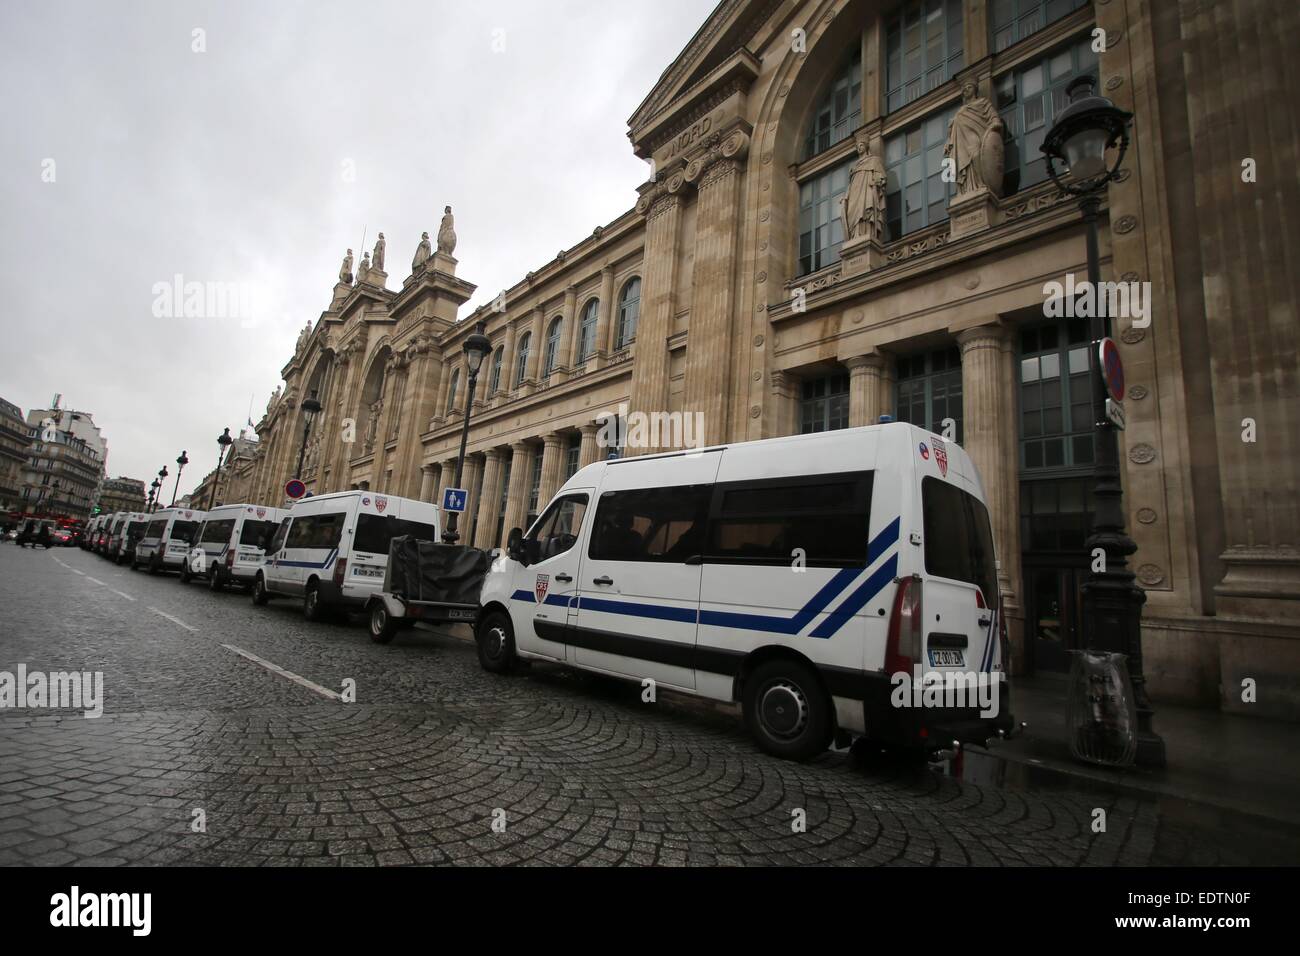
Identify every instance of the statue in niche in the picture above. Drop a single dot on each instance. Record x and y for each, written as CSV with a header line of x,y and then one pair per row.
x,y
862,210
447,233
345,274
372,424
377,260
975,144
422,253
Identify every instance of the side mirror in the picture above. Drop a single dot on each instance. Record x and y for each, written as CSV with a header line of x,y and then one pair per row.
x,y
515,546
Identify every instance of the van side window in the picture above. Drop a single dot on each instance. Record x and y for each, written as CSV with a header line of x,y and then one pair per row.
x,y
300,532
651,524
958,537
556,531
765,522
327,530
281,533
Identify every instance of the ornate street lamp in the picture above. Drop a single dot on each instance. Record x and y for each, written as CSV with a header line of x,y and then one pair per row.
x,y
162,477
1090,129
153,492
225,441
309,409
477,348
181,462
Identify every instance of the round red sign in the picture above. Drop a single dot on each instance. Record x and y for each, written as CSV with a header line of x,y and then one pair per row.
x,y
1112,369
295,489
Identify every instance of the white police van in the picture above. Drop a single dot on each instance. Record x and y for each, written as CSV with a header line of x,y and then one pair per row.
x,y
166,539
230,544
127,527
795,575
332,550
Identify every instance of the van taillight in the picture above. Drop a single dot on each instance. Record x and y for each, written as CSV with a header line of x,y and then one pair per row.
x,y
903,649
230,558
340,569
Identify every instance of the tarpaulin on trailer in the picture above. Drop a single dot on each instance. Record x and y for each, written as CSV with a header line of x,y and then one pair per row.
x,y
432,571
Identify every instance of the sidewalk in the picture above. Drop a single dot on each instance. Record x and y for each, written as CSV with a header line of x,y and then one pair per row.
x,y
1243,764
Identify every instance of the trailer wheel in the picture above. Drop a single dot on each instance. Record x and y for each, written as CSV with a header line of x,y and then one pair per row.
x,y
383,628
496,643
787,710
260,597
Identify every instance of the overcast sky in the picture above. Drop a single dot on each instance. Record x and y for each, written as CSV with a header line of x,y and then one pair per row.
x,y
262,159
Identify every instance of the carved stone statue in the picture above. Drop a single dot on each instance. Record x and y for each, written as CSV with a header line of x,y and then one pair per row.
x,y
363,270
447,233
975,144
863,207
372,424
302,338
275,397
378,260
345,274
422,253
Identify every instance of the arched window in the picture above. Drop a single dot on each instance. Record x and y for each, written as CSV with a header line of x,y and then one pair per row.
x,y
521,363
587,330
552,345
451,392
629,310
494,380
839,112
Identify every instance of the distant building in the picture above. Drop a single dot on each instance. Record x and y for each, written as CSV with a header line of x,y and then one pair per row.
x,y
15,439
62,475
231,485
121,494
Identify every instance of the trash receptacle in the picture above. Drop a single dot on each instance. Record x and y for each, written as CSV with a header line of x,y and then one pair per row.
x,y
1102,720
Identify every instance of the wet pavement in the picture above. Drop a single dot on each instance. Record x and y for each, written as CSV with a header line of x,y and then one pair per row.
x,y
206,755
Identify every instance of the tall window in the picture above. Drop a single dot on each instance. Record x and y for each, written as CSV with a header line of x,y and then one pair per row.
x,y
1012,20
587,330
552,345
572,455
1055,515
451,392
629,310
1029,101
534,490
916,195
494,380
929,390
839,112
923,49
824,403
821,231
521,361
1056,424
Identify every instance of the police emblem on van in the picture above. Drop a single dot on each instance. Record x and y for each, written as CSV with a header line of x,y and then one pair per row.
x,y
261,512
381,503
543,585
941,456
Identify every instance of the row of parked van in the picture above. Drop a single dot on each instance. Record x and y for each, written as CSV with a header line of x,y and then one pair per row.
x,y
807,578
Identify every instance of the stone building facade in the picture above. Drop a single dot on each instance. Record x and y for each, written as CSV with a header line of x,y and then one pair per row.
x,y
15,439
121,494
723,292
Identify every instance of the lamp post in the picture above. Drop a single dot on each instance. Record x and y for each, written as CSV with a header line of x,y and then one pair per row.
x,y
162,477
309,409
181,462
153,492
1089,128
477,348
225,441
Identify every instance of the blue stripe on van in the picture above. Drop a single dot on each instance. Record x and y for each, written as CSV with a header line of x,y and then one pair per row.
x,y
856,601
309,564
780,625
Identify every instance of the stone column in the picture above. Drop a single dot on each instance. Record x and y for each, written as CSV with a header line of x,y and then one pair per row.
x,y
604,323
489,498
469,479
989,423
533,368
418,407
507,359
888,382
562,357
427,481
553,448
444,384
976,43
394,397
864,388
588,451
521,475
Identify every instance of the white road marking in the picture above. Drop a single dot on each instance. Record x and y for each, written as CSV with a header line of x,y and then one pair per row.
x,y
121,594
75,571
174,620
95,581
277,669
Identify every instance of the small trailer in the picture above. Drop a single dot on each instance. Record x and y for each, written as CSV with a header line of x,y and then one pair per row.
x,y
427,581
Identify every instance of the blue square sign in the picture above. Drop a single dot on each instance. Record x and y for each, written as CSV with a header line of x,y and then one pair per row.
x,y
453,499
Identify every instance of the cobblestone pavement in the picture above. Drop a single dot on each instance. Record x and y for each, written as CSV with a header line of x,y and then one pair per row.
x,y
434,749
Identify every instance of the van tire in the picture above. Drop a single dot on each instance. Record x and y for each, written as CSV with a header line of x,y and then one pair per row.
x,y
154,566
215,581
495,639
260,597
787,710
311,606
185,572
383,628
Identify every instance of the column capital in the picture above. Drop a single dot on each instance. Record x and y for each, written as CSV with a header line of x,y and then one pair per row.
x,y
590,428
521,447
993,334
553,439
869,360
428,468
492,454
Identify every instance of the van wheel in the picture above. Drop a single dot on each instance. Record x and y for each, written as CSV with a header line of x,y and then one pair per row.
x,y
260,597
185,572
311,606
383,628
787,710
154,566
496,644
215,583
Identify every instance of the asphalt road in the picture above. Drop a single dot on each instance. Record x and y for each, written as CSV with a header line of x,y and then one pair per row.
x,y
205,755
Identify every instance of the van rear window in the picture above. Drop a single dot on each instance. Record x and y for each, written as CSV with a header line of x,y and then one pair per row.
x,y
958,537
217,532
155,528
254,531
375,533
182,531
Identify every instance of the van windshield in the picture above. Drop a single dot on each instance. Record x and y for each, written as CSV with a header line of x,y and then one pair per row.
x,y
958,537
375,533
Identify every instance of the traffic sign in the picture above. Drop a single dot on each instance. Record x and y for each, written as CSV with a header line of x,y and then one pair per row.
x,y
1112,369
295,489
1115,413
453,499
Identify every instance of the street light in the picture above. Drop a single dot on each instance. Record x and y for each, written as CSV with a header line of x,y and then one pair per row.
x,y
153,491
477,348
225,441
181,462
1089,128
162,476
309,409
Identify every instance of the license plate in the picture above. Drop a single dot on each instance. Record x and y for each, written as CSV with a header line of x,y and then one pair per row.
x,y
460,615
364,572
947,658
